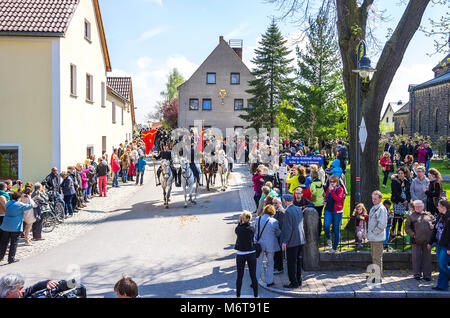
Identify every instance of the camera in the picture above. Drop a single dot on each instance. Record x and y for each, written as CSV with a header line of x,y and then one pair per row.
x,y
62,291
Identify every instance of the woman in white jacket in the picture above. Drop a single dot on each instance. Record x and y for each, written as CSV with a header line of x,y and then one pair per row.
x,y
376,230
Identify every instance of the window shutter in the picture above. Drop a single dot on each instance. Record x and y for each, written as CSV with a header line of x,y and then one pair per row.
x,y
103,94
114,112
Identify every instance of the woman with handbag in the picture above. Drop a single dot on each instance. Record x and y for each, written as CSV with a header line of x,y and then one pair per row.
x,y
434,191
246,252
386,165
400,197
28,216
12,225
267,233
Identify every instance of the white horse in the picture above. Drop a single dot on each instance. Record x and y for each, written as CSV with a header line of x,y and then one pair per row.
x,y
167,181
187,181
223,170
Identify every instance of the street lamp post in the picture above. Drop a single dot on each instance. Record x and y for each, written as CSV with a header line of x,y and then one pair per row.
x,y
363,71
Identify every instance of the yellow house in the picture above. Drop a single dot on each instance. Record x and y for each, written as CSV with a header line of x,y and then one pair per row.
x,y
387,124
56,106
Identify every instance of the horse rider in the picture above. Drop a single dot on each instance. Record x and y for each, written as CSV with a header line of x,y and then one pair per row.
x,y
167,155
195,170
230,161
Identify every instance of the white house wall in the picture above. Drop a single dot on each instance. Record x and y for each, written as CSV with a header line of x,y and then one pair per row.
x,y
83,124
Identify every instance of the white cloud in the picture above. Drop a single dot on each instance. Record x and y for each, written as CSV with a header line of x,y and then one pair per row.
x,y
160,2
150,33
150,79
238,32
144,62
407,74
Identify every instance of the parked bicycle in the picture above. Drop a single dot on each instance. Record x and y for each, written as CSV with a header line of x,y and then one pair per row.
x,y
49,221
56,206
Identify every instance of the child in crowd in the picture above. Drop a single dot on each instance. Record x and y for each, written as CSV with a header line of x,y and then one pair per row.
x,y
407,213
387,204
361,217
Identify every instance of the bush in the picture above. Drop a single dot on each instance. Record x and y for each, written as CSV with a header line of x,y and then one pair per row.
x,y
397,141
440,147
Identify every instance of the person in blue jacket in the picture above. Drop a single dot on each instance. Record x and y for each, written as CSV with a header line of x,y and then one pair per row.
x,y
336,168
140,169
12,225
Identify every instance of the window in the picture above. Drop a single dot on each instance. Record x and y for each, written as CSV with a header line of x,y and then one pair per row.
x,y
113,112
103,145
193,104
436,121
387,119
89,85
9,163
87,30
210,78
235,79
238,104
103,94
249,104
89,151
122,114
206,104
73,80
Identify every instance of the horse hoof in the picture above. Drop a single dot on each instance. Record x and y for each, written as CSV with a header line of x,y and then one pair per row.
x,y
185,206
167,206
194,202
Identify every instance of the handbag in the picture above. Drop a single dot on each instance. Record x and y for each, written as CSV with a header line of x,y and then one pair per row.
x,y
28,216
257,246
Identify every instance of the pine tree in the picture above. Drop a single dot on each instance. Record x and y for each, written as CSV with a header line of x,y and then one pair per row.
x,y
320,97
272,84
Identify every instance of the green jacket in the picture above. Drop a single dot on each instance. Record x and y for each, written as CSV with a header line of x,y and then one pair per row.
x,y
317,193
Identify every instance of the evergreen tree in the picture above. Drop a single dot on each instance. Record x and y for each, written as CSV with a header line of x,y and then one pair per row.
x,y
320,97
272,84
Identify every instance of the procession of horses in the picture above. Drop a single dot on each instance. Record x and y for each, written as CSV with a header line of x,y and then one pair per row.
x,y
211,165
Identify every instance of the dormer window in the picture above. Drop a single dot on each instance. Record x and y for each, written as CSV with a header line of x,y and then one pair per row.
x,y
87,30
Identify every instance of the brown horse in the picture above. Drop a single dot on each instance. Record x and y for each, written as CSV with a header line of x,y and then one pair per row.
x,y
209,169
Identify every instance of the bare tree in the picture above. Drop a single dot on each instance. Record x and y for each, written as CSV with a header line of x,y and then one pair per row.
x,y
352,20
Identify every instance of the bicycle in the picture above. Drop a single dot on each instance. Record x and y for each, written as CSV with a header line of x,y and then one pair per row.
x,y
49,221
56,207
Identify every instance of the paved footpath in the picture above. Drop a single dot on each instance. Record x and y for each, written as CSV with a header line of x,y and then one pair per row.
x,y
398,283
177,252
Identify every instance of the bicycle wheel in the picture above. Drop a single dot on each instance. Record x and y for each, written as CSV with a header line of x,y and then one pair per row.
x,y
49,222
58,211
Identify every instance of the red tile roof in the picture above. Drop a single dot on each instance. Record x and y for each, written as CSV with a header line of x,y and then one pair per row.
x,y
44,16
121,85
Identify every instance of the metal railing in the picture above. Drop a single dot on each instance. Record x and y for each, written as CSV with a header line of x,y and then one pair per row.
x,y
348,240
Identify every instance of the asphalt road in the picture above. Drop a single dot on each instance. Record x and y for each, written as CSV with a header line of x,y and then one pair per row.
x,y
170,253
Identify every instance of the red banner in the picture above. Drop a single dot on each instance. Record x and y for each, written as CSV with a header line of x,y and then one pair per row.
x,y
200,141
149,139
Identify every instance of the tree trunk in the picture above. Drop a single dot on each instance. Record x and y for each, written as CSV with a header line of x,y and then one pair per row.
x,y
352,22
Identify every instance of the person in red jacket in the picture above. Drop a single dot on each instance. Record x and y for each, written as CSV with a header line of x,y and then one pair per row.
x,y
258,183
386,166
115,167
334,209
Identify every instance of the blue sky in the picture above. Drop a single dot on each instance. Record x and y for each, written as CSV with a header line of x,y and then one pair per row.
x,y
148,38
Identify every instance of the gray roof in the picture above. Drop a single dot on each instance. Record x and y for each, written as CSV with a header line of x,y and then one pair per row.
x,y
403,110
445,78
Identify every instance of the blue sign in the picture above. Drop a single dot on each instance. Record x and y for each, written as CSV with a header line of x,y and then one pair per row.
x,y
303,160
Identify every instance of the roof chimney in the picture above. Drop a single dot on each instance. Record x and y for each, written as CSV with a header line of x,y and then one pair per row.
x,y
237,46
220,38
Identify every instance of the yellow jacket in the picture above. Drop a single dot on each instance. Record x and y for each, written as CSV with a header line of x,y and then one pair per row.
x,y
293,183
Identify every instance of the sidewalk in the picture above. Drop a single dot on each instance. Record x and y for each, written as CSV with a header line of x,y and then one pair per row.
x,y
334,284
353,284
97,210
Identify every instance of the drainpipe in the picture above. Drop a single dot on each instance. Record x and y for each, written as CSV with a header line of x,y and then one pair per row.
x,y
413,103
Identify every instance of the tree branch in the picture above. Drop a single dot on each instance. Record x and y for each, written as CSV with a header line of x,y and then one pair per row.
x,y
395,48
